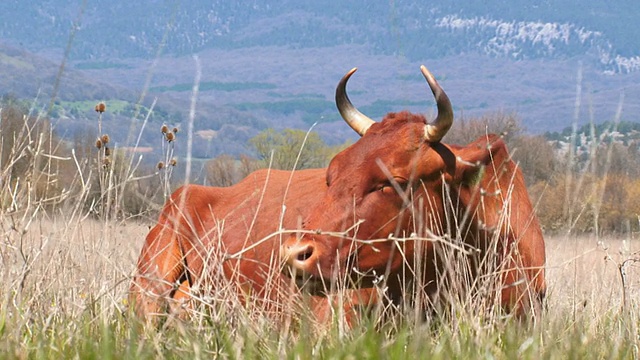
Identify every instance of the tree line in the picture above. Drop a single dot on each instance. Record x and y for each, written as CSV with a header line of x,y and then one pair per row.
x,y
582,181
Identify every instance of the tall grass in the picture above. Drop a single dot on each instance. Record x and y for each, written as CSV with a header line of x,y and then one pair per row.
x,y
67,301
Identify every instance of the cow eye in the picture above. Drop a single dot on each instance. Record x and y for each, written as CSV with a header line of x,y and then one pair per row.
x,y
388,189
381,187
391,186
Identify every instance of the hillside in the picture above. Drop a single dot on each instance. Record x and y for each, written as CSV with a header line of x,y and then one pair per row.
x,y
517,29
277,65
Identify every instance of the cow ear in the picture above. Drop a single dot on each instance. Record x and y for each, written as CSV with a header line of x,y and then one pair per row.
x,y
481,151
473,160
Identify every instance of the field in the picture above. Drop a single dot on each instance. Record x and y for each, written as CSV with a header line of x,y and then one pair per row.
x,y
66,280
68,253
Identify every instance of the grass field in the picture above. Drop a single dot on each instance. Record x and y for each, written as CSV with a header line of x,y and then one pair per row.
x,y
66,280
67,267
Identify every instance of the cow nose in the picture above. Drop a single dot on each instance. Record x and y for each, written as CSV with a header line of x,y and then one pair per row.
x,y
298,255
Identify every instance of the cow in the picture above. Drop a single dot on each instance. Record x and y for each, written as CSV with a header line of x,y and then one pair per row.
x,y
399,202
279,234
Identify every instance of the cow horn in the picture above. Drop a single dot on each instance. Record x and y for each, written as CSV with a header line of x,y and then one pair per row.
x,y
357,120
438,128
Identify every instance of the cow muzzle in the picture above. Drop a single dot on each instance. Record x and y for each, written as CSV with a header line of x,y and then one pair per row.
x,y
306,262
299,257
301,265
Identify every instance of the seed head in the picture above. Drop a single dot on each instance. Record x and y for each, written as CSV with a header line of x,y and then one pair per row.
x,y
106,162
99,143
160,165
164,129
101,107
175,130
105,138
170,136
173,162
107,151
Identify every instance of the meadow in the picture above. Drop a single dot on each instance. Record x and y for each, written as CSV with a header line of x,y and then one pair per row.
x,y
68,254
66,282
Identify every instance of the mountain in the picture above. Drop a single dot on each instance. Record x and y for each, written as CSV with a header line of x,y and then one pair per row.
x,y
276,63
515,29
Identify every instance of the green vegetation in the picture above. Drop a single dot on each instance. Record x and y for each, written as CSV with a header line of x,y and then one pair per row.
x,y
114,336
379,108
85,108
285,150
318,109
115,106
97,65
308,105
300,95
15,62
293,149
213,85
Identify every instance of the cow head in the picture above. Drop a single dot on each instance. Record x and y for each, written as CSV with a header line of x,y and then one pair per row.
x,y
372,191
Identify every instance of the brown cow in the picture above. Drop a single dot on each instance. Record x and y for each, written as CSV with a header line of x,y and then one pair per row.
x,y
376,187
398,198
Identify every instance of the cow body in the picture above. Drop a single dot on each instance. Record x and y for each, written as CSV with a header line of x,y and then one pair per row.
x,y
208,234
375,215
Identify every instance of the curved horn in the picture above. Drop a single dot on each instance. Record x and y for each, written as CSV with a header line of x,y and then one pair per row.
x,y
357,120
438,128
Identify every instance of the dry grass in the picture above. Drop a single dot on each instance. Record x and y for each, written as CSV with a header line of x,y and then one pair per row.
x,y
62,267
71,273
584,276
88,258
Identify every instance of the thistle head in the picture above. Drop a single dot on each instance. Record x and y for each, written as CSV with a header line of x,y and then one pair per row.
x,y
101,107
